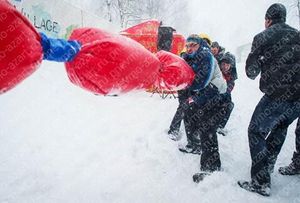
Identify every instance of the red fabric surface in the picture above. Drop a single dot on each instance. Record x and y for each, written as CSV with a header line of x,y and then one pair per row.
x,y
20,49
175,73
109,63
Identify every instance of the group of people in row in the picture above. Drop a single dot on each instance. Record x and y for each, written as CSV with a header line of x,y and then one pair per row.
x,y
225,64
206,104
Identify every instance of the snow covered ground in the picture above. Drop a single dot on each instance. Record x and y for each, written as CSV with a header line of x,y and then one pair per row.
x,y
59,143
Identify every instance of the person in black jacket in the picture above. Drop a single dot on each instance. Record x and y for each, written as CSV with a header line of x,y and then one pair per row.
x,y
275,54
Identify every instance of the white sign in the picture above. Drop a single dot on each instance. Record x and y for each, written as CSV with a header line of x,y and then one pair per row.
x,y
57,18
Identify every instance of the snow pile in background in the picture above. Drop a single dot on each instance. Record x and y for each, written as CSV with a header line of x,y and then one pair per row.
x,y
59,143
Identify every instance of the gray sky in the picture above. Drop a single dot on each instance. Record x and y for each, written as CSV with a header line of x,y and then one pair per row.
x,y
231,22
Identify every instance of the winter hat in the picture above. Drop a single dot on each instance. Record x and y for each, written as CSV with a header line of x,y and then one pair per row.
x,y
206,38
215,45
226,58
276,12
194,38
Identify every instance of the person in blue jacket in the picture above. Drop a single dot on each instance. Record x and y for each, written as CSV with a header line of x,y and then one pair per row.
x,y
59,50
201,117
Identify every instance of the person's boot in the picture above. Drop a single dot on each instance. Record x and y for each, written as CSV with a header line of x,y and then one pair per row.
x,y
293,168
222,131
289,170
251,186
198,177
174,135
189,148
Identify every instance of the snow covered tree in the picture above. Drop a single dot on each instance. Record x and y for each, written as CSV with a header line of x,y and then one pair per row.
x,y
130,12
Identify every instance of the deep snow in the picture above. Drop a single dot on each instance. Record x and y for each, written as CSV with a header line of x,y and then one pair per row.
x,y
59,143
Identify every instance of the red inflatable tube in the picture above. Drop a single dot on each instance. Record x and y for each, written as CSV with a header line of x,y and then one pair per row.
x,y
20,50
109,63
146,33
175,73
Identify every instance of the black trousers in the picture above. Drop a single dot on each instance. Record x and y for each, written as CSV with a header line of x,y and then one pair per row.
x,y
266,133
201,124
227,107
178,117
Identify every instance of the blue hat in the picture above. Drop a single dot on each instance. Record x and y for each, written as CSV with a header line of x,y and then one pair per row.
x,y
194,38
198,40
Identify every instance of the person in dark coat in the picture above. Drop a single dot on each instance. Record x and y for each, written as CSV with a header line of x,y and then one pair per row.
x,y
203,105
227,63
294,167
228,69
216,79
275,54
174,128
218,51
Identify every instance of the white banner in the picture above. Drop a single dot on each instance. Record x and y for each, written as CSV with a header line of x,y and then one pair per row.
x,y
57,18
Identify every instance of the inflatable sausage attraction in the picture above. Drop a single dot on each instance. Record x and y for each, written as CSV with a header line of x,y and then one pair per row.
x,y
95,60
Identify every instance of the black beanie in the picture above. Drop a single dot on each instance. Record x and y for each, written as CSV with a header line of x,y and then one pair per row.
x,y
215,45
226,58
276,12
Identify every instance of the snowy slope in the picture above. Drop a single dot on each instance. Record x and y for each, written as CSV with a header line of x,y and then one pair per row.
x,y
59,143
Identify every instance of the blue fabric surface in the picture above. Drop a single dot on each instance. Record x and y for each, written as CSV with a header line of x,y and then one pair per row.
x,y
59,50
